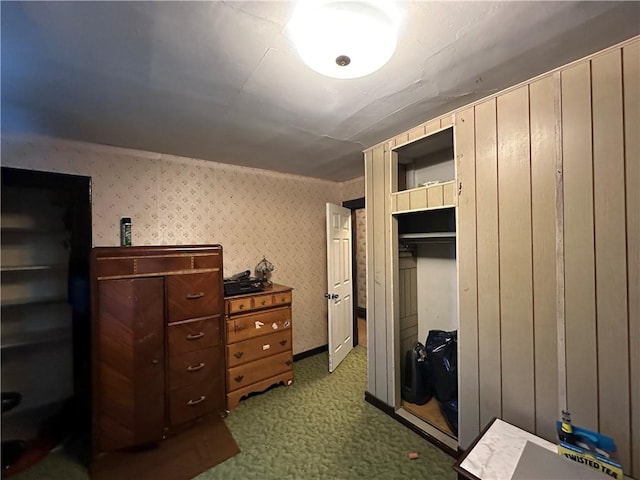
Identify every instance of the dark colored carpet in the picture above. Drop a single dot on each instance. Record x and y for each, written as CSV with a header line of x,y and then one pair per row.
x,y
178,458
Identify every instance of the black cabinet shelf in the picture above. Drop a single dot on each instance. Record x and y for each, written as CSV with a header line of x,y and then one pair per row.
x,y
27,339
26,302
30,268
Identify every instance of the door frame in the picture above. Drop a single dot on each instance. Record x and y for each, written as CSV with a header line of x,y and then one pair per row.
x,y
354,205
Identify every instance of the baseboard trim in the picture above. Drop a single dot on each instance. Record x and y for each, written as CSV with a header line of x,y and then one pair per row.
x,y
388,409
310,353
379,404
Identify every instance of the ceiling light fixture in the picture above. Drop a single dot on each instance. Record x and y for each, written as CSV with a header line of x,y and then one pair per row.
x,y
344,39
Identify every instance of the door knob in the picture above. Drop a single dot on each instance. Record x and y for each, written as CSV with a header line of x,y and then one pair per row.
x,y
331,296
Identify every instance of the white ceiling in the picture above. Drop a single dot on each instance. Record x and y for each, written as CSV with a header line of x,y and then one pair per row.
x,y
220,81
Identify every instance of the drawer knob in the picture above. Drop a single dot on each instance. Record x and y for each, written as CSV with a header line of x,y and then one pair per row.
x,y
288,363
283,342
194,368
196,401
155,361
239,378
195,336
238,354
264,302
241,306
193,296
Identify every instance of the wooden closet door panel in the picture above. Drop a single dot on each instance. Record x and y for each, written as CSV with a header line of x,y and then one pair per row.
x,y
612,321
545,146
579,246
488,262
130,362
466,244
516,269
631,82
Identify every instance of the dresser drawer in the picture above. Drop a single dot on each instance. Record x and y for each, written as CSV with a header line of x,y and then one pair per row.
x,y
165,263
194,367
257,348
193,295
243,375
262,301
239,305
193,335
114,267
212,260
195,400
244,327
282,298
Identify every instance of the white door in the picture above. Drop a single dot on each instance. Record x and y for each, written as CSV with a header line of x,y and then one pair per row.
x,y
339,285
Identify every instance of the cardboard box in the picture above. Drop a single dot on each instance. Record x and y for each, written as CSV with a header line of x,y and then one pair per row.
x,y
591,449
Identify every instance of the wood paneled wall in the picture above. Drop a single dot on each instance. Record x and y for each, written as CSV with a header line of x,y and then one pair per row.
x,y
549,174
548,253
408,300
507,160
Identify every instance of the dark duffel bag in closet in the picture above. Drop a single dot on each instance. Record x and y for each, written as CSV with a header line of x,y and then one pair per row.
x,y
414,377
442,358
449,411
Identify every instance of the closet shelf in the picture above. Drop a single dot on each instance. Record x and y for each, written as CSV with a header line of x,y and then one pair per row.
x,y
29,268
26,339
427,237
22,302
25,229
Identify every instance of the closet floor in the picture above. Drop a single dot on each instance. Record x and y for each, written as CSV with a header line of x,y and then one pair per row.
x,y
362,332
430,413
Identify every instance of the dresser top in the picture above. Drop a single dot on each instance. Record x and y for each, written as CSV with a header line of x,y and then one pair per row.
x,y
275,288
149,250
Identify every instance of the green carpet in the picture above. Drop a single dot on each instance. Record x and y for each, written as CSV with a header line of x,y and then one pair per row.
x,y
321,428
318,428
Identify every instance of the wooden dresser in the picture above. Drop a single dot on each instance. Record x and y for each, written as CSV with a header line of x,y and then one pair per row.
x,y
259,342
157,345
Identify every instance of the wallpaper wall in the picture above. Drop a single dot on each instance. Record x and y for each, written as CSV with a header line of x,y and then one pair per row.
x,y
353,189
177,200
361,256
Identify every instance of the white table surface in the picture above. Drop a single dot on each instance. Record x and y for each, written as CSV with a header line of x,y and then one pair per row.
x,y
496,454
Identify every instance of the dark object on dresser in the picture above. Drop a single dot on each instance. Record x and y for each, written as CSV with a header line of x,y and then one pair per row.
x,y
157,342
241,283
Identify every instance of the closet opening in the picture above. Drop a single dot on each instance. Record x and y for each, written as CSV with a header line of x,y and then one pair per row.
x,y
428,318
45,321
358,269
425,286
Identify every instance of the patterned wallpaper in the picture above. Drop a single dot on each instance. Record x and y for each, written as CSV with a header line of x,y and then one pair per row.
x,y
361,256
353,189
177,200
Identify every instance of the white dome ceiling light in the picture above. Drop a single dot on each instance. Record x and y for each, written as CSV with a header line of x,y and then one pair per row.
x,y
344,39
